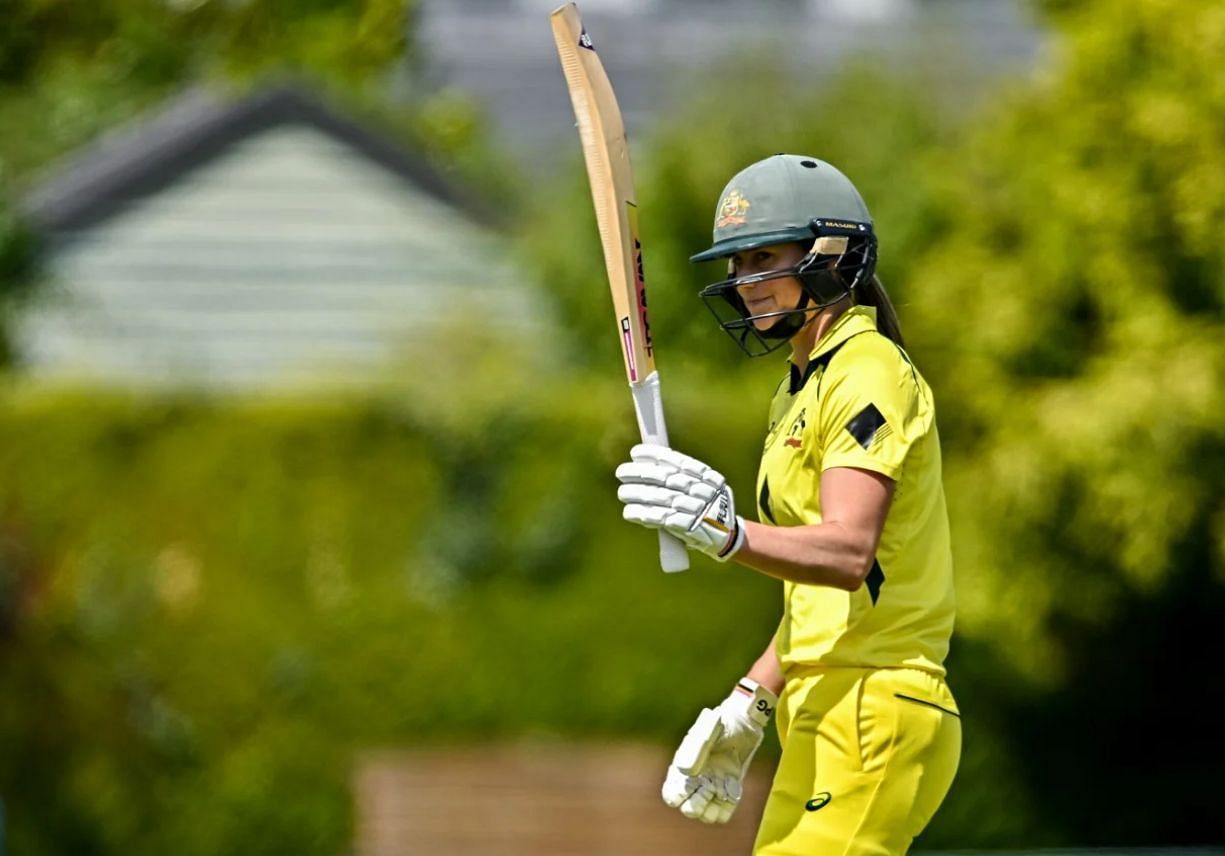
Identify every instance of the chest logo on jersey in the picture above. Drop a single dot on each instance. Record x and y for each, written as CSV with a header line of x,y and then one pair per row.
x,y
795,434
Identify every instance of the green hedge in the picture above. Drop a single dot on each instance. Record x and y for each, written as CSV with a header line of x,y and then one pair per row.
x,y
208,609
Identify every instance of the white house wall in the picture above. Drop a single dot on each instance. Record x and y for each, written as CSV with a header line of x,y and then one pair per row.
x,y
288,257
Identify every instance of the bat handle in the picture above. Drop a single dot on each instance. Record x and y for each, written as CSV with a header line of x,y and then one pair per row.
x,y
649,405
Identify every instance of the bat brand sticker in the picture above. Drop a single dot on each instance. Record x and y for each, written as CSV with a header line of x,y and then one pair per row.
x,y
641,288
732,210
584,40
627,342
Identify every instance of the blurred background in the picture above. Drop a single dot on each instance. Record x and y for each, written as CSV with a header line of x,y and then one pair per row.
x,y
310,404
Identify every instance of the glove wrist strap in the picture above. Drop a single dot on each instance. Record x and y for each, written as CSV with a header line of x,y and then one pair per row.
x,y
734,542
753,701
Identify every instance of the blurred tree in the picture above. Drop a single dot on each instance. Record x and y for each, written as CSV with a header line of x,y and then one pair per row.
x,y
207,605
1073,309
70,70
17,265
1071,316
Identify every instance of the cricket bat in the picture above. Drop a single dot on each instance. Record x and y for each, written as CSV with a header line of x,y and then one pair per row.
x,y
606,152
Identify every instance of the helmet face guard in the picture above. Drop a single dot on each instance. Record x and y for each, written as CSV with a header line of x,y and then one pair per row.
x,y
842,257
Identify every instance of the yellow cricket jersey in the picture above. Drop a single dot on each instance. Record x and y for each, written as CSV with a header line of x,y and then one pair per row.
x,y
861,403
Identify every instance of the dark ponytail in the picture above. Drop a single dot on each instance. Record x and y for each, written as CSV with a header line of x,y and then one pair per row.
x,y
872,293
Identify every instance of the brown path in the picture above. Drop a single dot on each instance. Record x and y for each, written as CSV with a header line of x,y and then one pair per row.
x,y
536,799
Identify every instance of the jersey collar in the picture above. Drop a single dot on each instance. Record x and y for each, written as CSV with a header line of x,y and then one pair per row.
x,y
852,322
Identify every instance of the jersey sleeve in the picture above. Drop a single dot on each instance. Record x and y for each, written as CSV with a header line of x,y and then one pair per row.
x,y
870,410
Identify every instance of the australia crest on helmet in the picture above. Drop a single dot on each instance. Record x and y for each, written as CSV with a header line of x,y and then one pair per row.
x,y
732,211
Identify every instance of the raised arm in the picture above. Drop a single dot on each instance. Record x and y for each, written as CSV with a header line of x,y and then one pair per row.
x,y
663,488
837,552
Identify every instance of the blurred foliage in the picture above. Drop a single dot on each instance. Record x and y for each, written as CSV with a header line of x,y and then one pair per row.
x,y
206,607
17,269
17,254
71,70
206,610
1071,316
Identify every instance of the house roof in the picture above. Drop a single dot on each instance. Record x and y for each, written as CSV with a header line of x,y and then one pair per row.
x,y
142,158
262,243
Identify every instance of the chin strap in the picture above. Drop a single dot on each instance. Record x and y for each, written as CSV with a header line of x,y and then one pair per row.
x,y
788,325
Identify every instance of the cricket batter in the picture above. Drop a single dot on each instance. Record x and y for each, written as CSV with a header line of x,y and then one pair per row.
x,y
852,520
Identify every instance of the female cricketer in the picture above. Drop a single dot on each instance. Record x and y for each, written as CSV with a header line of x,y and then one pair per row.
x,y
852,520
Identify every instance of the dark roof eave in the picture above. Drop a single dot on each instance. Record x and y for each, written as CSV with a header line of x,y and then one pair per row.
x,y
195,128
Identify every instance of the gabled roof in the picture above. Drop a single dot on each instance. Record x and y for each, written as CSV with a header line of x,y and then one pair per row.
x,y
142,158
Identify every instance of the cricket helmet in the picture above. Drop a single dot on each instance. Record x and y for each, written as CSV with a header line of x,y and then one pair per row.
x,y
779,200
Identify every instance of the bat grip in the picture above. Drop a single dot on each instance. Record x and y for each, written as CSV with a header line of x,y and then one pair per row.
x,y
649,405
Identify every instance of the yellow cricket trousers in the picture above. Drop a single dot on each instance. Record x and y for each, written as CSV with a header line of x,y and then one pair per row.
x,y
868,755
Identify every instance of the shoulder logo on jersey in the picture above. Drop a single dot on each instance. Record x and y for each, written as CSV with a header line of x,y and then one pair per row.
x,y
795,434
868,425
732,210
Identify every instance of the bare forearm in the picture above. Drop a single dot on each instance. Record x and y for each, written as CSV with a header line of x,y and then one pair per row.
x,y
825,554
767,671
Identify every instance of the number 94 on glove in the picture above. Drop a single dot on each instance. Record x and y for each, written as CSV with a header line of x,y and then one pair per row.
x,y
664,489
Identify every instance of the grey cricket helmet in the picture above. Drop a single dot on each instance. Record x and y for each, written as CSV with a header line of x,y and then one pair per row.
x,y
780,200
785,198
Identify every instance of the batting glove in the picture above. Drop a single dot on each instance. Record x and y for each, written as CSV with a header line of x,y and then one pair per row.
x,y
663,489
706,776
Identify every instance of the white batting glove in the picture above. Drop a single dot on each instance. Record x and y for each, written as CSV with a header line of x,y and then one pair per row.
x,y
705,778
663,489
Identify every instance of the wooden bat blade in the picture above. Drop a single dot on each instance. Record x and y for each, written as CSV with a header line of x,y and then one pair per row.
x,y
606,154
610,174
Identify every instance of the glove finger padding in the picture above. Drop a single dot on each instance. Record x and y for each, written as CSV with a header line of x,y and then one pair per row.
x,y
699,490
648,453
690,794
645,473
642,494
678,787
659,476
645,494
709,802
712,812
646,515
